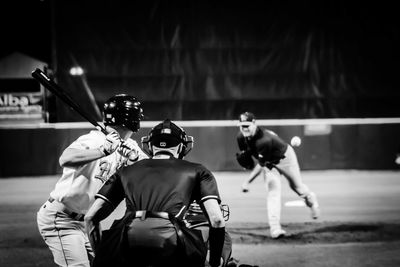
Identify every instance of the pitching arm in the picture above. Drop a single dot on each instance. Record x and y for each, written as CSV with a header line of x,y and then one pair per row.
x,y
253,175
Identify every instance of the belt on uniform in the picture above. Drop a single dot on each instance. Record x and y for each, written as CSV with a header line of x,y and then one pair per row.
x,y
71,214
143,214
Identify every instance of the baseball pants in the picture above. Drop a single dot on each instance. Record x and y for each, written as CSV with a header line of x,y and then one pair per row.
x,y
65,237
273,187
290,166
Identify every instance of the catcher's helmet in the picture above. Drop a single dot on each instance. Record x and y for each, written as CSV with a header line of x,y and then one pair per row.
x,y
123,109
165,135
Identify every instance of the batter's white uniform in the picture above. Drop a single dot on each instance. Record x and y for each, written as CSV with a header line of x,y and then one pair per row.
x,y
60,219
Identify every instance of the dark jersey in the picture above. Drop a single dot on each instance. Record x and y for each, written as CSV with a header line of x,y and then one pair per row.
x,y
161,185
264,142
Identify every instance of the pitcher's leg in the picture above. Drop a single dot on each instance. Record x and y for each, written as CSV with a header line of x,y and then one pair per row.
x,y
273,187
291,170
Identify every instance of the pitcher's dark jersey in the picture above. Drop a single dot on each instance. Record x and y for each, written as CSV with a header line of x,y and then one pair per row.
x,y
264,142
161,185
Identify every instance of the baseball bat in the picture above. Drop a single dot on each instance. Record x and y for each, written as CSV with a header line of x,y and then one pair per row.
x,y
49,84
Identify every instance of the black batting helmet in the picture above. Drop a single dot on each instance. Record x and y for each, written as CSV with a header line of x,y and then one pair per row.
x,y
123,109
167,134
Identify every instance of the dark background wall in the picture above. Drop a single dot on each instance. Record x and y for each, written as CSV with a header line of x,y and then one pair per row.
x,y
204,60
362,146
211,60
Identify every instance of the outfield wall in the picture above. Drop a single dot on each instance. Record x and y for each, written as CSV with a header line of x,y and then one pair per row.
x,y
326,144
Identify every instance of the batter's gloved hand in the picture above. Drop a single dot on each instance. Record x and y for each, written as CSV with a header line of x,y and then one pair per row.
x,y
245,159
129,149
112,142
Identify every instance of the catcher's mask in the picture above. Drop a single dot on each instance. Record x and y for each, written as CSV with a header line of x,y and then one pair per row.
x,y
123,109
225,211
165,135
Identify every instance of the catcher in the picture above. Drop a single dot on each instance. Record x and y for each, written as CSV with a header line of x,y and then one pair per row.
x,y
196,219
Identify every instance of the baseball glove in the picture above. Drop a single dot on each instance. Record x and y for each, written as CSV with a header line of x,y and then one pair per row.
x,y
245,159
268,164
195,214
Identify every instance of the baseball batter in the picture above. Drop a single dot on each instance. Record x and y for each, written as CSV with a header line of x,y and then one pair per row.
x,y
158,191
275,158
87,163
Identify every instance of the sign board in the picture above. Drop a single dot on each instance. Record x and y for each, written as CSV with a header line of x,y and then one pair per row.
x,y
21,98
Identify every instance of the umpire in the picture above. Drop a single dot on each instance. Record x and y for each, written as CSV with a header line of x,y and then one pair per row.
x,y
158,191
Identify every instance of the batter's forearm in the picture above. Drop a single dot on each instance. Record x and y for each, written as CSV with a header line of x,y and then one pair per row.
x,y
75,157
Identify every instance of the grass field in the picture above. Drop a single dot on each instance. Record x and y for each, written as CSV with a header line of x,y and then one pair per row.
x,y
359,226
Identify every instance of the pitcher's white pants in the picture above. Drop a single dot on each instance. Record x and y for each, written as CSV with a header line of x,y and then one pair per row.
x,y
291,171
273,188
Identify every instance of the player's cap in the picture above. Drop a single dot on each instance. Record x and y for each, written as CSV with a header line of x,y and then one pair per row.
x,y
246,118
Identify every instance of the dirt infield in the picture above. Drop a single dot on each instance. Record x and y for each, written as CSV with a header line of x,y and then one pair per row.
x,y
320,244
360,225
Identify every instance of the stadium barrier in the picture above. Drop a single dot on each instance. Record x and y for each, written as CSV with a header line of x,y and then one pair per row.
x,y
34,149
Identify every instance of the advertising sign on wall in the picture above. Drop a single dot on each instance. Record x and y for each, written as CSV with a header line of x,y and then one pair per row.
x,y
21,99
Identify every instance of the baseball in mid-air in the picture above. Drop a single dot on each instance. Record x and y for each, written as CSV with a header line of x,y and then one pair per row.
x,y
296,141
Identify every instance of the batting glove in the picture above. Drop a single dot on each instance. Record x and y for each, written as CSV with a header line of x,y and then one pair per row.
x,y
129,149
112,142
